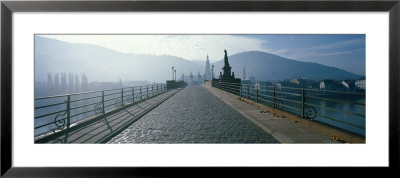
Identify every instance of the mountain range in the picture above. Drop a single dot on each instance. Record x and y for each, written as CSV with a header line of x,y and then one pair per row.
x,y
265,66
103,64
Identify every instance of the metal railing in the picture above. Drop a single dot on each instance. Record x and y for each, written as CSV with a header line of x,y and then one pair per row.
x,y
345,110
56,113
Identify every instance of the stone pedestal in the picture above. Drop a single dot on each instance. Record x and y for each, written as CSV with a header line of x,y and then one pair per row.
x,y
227,80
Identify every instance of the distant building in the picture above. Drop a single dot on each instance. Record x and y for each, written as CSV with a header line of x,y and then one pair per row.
x,y
360,83
345,84
322,85
207,72
295,81
332,85
195,80
302,83
278,86
244,73
252,79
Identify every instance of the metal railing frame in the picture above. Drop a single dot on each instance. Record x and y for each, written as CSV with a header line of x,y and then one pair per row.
x,y
245,92
63,117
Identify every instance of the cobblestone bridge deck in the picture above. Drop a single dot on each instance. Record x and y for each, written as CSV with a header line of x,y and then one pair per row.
x,y
193,115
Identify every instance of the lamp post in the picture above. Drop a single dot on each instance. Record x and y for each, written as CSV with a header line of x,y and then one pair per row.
x,y
172,73
212,71
175,74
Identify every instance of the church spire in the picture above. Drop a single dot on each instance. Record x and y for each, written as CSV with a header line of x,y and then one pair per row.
x,y
207,73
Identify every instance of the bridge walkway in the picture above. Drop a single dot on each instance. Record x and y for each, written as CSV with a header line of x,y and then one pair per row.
x,y
285,130
193,115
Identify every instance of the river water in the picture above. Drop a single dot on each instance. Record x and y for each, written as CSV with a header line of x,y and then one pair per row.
x,y
341,110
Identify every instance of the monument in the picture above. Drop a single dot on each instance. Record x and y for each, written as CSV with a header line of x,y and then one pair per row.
x,y
226,69
227,80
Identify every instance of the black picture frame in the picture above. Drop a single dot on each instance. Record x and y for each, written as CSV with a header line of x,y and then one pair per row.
x,y
8,7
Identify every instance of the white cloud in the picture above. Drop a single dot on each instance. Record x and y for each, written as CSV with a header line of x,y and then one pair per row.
x,y
321,50
336,45
192,47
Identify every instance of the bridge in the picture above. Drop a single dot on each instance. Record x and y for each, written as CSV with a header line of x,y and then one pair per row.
x,y
215,112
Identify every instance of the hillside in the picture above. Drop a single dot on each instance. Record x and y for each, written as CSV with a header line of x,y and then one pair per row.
x,y
102,64
266,66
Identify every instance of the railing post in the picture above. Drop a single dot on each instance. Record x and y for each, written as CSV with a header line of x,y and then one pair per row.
x,y
68,118
248,91
133,94
152,90
68,111
122,97
302,102
147,91
257,94
274,96
140,93
102,101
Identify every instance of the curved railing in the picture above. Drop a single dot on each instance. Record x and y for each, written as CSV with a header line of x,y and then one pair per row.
x,y
345,110
56,113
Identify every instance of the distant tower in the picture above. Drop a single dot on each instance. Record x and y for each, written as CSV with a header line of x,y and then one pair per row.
x,y
244,74
207,73
190,78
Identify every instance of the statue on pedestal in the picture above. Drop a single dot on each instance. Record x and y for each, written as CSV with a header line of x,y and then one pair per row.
x,y
226,68
228,77
226,63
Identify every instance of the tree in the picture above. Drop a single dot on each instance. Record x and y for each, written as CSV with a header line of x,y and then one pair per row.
x,y
57,83
49,81
84,82
120,83
71,82
63,88
50,85
77,89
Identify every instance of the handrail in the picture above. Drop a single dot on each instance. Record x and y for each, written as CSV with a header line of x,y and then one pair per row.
x,y
84,103
310,89
72,94
84,99
331,109
46,106
261,92
334,100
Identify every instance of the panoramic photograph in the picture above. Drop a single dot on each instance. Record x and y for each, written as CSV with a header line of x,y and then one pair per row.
x,y
200,89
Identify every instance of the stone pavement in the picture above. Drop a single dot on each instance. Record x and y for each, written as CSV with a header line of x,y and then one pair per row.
x,y
193,115
282,129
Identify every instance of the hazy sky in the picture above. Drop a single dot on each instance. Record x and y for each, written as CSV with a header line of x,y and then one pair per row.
x,y
343,51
